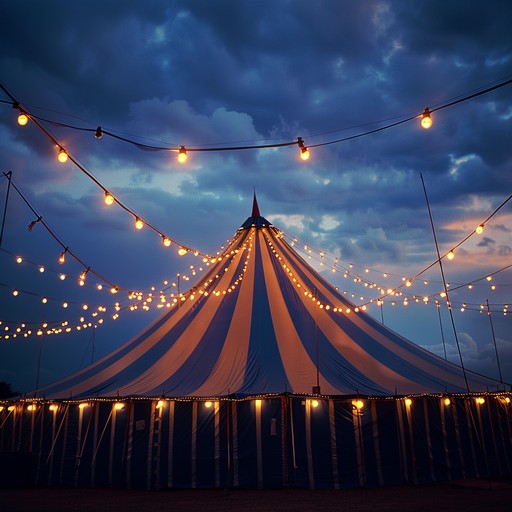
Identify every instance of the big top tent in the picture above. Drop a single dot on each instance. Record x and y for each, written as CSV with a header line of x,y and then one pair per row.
x,y
260,375
263,321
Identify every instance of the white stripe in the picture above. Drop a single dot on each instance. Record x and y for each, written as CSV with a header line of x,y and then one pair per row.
x,y
358,438
309,451
193,468
170,454
445,440
376,439
217,443
259,453
334,448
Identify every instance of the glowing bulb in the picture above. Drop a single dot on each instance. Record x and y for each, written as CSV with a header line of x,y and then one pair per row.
x,y
447,401
138,223
166,241
304,153
63,156
118,406
358,404
408,402
450,255
62,257
208,404
109,198
182,251
426,120
480,400
114,290
182,155
22,119
315,403
479,229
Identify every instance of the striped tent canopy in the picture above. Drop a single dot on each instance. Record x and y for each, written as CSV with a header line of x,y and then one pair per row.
x,y
262,321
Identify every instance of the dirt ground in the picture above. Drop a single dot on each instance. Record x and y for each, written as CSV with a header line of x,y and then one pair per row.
x,y
465,496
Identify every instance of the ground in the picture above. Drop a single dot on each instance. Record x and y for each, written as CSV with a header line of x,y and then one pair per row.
x,y
467,496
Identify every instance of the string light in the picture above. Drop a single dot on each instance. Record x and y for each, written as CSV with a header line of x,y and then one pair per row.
x,y
426,120
166,241
22,116
479,229
304,152
63,156
450,255
182,155
62,257
22,119
109,198
99,133
138,223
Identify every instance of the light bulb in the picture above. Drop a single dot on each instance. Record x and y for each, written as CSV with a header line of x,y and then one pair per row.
x,y
182,155
426,120
22,119
450,255
182,251
63,156
99,133
138,223
479,229
166,241
62,257
304,153
109,198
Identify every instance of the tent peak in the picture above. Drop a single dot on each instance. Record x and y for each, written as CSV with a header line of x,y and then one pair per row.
x,y
255,207
255,220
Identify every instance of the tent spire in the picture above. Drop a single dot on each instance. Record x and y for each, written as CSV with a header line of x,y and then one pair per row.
x,y
255,208
255,220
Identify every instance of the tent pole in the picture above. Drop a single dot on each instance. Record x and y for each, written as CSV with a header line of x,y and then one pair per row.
x,y
448,303
494,340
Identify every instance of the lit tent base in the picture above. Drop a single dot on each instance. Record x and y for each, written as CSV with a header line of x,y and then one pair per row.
x,y
281,441
261,375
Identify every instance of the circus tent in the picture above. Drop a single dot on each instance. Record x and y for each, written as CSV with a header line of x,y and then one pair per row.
x,y
263,321
260,375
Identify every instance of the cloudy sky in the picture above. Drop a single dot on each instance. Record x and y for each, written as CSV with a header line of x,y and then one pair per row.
x,y
212,75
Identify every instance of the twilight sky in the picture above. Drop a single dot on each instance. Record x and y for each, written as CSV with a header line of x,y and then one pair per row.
x,y
233,73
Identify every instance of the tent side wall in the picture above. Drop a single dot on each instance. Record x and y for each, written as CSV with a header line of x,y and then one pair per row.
x,y
272,442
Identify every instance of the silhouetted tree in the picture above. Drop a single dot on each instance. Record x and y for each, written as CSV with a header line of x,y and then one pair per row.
x,y
6,390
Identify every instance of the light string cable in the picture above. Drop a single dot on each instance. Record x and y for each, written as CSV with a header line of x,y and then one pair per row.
x,y
298,142
167,240
311,252
475,231
40,219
